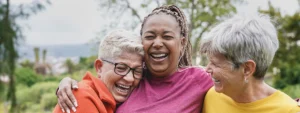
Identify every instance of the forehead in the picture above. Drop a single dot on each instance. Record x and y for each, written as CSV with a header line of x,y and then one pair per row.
x,y
129,58
161,21
217,57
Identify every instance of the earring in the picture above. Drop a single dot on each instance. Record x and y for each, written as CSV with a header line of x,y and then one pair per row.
x,y
246,80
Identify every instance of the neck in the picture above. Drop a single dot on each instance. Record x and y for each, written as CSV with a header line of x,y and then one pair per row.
x,y
253,91
162,74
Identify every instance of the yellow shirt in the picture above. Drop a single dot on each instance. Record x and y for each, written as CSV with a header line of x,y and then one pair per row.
x,y
278,102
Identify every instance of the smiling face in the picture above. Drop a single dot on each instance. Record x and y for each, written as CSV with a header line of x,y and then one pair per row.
x,y
226,79
162,44
119,86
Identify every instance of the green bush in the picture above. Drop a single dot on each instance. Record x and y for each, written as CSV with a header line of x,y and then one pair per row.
x,y
38,97
292,90
287,76
2,91
26,76
48,101
53,78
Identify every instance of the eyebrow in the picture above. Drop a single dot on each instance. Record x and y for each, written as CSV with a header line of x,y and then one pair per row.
x,y
167,32
152,32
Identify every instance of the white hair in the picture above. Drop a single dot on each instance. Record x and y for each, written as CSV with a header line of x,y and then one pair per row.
x,y
118,41
242,38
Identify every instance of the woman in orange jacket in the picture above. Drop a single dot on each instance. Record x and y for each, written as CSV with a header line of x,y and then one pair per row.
x,y
119,70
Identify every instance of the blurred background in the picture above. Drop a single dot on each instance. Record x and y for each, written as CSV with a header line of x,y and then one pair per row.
x,y
42,41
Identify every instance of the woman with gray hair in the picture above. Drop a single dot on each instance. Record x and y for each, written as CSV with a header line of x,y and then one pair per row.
x,y
119,71
240,50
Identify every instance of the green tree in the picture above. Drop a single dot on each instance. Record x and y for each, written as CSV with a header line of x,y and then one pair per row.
x,y
44,56
201,14
27,64
87,62
26,76
10,35
286,61
71,67
36,54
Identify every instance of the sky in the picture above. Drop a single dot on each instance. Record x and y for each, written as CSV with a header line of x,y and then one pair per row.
x,y
67,22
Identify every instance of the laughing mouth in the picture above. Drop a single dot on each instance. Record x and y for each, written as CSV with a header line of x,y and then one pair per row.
x,y
124,89
161,55
216,80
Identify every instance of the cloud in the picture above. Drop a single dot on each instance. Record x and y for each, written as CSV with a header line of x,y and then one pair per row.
x,y
64,22
79,21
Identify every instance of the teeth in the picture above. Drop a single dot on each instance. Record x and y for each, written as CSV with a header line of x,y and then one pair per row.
x,y
123,90
123,86
159,55
215,80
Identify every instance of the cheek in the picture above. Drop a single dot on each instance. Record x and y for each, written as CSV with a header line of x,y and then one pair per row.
x,y
175,46
146,45
136,83
110,79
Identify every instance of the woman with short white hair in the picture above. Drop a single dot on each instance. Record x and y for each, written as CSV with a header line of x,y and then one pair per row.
x,y
119,70
240,50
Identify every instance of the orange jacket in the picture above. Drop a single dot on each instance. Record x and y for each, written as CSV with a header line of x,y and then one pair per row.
x,y
92,97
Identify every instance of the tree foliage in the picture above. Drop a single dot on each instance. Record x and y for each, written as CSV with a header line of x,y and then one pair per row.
x,y
286,61
26,76
201,14
10,35
71,67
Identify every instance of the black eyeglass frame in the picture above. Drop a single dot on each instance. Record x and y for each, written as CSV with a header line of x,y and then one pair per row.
x,y
130,69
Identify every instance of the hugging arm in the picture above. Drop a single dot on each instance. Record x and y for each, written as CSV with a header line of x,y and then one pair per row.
x,y
66,99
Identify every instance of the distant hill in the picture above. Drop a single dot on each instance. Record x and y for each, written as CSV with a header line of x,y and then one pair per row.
x,y
75,50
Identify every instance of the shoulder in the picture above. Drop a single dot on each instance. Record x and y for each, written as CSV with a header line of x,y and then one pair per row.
x,y
213,94
199,76
194,71
286,102
89,98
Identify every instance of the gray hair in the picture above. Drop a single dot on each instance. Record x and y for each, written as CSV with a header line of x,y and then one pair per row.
x,y
118,41
243,38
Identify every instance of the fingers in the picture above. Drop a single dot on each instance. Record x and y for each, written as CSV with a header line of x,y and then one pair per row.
x,y
298,101
72,98
62,102
67,100
74,84
62,107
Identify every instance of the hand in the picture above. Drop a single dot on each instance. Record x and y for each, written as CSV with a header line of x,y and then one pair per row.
x,y
298,101
66,99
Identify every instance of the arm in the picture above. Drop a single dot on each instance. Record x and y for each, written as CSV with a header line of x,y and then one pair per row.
x,y
66,99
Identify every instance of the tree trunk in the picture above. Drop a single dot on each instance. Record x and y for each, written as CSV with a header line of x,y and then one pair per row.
x,y
12,55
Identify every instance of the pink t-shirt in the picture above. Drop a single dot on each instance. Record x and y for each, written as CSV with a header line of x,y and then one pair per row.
x,y
182,92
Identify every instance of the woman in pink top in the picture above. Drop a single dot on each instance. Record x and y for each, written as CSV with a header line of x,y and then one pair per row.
x,y
170,83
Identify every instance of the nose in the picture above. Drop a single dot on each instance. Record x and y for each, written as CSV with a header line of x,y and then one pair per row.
x,y
158,43
129,77
208,68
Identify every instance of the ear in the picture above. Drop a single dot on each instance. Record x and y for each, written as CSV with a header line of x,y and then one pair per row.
x,y
98,66
183,41
249,68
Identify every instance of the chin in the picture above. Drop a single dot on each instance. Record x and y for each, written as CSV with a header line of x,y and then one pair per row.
x,y
219,90
120,99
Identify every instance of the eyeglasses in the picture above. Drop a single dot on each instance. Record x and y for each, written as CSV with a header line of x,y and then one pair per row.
x,y
123,69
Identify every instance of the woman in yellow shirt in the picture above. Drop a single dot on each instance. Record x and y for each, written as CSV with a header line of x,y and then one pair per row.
x,y
240,50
